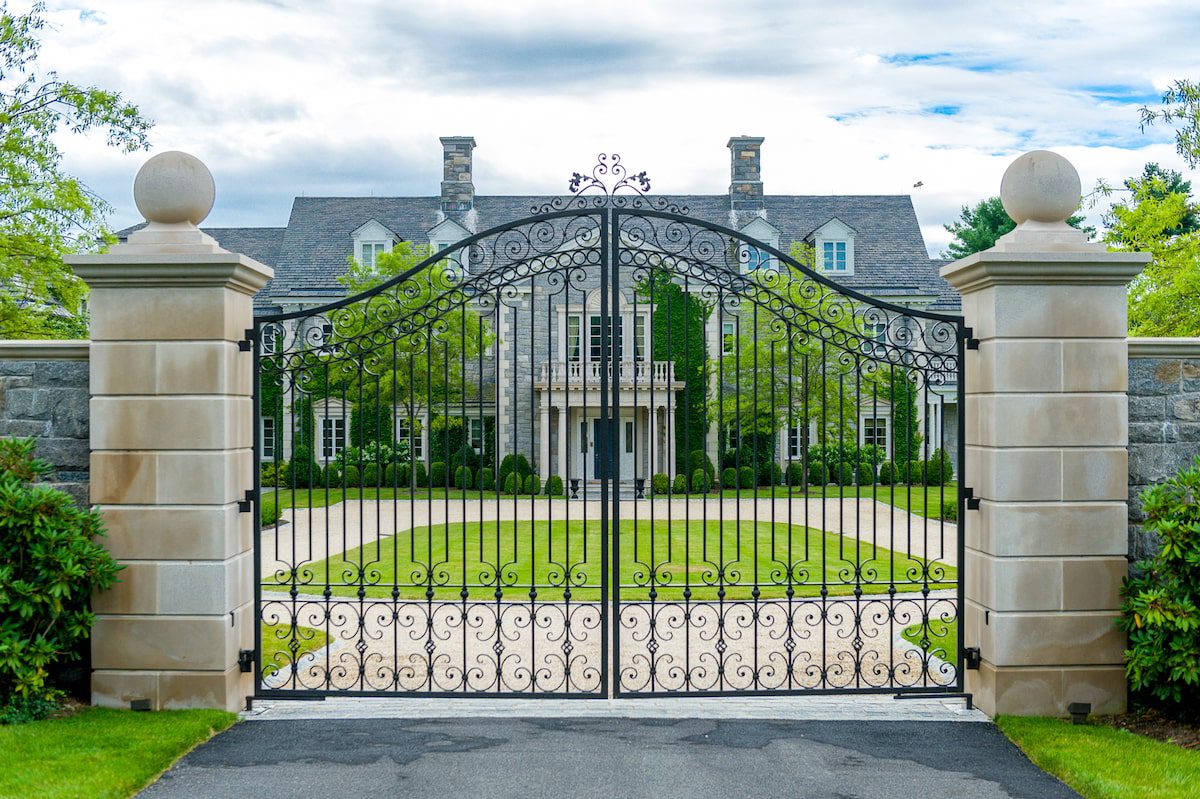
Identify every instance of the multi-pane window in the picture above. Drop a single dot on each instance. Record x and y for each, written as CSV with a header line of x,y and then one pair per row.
x,y
574,334
874,431
475,433
796,440
333,437
369,252
594,337
754,258
268,438
407,431
732,439
834,256
728,337
640,339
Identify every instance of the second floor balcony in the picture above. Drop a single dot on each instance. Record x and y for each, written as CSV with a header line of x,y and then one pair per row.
x,y
657,375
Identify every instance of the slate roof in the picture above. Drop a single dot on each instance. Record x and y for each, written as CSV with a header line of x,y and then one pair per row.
x,y
308,255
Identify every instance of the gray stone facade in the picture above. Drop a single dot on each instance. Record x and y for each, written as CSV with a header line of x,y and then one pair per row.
x,y
46,398
1164,422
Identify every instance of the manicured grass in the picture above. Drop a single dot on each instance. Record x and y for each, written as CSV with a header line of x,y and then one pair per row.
x,y
277,643
1105,763
99,753
924,501
942,637
446,555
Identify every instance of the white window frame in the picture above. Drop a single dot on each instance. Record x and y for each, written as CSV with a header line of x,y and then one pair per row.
x,y
333,436
267,425
875,423
410,430
368,251
728,337
641,337
795,441
575,353
836,265
475,434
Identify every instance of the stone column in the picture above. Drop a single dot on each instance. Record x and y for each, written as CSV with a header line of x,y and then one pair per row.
x,y
1046,434
563,438
669,466
544,441
172,438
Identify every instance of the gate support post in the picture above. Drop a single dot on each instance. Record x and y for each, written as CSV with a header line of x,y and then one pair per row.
x,y
172,450
1046,430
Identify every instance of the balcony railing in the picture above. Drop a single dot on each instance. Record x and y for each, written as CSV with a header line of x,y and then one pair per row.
x,y
578,374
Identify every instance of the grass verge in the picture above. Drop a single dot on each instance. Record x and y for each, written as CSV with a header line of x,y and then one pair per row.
x,y
99,753
1105,763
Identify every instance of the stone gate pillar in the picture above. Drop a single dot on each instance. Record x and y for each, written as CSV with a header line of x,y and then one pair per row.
x,y
172,449
1046,434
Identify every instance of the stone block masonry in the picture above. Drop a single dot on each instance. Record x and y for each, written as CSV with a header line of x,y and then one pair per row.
x,y
1164,422
44,395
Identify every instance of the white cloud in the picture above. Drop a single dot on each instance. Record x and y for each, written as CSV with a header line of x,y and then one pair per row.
x,y
284,98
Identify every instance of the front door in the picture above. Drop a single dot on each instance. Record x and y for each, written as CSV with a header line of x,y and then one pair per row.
x,y
597,465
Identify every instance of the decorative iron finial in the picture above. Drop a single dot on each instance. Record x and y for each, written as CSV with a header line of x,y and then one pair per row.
x,y
609,176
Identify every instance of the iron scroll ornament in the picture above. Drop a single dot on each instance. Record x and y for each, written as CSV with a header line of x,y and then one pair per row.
x,y
609,185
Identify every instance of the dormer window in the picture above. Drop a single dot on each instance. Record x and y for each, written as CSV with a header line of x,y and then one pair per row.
x,y
752,258
834,242
834,256
371,241
447,234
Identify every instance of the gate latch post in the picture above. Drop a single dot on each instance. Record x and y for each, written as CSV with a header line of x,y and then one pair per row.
x,y
247,344
972,657
969,337
246,660
972,500
246,505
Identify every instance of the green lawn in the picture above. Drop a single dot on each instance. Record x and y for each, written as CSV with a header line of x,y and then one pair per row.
x,y
545,550
277,643
99,753
943,638
921,500
1105,763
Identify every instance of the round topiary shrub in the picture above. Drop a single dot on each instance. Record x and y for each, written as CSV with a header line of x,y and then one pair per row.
x,y
845,474
729,480
915,473
795,474
887,473
303,471
487,480
554,486
465,456
268,512
770,473
351,477
533,485
938,469
462,477
659,484
818,473
950,510
679,485
864,474
511,484
746,477
698,459
421,477
371,475
438,478
390,475
51,564
700,483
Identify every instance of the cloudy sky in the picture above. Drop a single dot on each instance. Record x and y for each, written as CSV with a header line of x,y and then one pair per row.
x,y
289,97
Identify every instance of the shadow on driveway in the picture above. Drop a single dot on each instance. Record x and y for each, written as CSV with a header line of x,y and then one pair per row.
x,y
609,758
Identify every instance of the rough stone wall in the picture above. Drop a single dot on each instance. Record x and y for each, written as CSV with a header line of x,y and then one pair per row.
x,y
1164,428
48,400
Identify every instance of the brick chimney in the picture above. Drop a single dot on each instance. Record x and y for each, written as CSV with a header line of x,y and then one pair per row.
x,y
745,173
458,190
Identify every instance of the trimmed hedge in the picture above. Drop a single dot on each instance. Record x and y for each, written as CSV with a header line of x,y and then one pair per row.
x,y
700,483
887,473
533,484
938,469
268,511
679,486
818,473
554,486
845,474
864,474
462,477
950,510
487,480
794,474
514,463
511,484
371,475
351,475
746,477
698,459
729,479
660,485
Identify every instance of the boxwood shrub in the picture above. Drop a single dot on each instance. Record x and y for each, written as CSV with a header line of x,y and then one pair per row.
x,y
729,479
865,474
533,484
554,486
845,474
659,484
512,484
746,477
487,480
462,477
818,473
438,478
795,474
679,485
700,484
887,473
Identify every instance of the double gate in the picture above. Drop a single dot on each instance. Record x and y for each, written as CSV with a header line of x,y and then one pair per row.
x,y
608,449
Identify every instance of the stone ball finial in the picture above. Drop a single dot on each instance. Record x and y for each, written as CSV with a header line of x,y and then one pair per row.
x,y
174,187
1040,186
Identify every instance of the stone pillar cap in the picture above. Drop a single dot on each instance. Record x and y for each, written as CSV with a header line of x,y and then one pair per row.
x,y
174,187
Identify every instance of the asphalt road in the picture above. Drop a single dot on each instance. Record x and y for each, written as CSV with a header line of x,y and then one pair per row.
x,y
500,758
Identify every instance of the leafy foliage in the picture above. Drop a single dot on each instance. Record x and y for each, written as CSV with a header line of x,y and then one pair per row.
x,y
906,425
679,485
701,483
50,565
44,212
554,486
1160,610
659,484
979,227
462,477
1181,110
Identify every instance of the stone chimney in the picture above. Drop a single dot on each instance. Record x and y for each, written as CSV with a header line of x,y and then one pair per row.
x,y
458,190
745,173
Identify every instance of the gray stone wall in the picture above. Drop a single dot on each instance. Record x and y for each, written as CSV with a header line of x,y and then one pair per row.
x,y
47,399
1164,422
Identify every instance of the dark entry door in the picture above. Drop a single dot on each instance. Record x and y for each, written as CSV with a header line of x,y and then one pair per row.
x,y
598,472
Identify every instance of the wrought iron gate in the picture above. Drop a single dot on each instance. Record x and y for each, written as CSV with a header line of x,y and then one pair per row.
x,y
608,449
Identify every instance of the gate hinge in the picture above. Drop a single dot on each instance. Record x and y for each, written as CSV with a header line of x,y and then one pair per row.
x,y
972,657
247,505
247,344
972,501
969,336
246,660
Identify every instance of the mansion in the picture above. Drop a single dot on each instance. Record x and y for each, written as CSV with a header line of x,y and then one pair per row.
x,y
540,382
